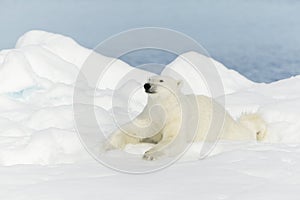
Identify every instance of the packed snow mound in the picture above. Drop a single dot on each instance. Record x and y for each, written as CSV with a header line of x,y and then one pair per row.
x,y
37,80
15,73
64,47
201,73
58,58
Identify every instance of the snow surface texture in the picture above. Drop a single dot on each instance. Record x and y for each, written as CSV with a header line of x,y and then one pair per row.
x,y
37,129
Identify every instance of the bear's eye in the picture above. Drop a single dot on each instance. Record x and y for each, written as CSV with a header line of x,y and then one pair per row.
x,y
161,81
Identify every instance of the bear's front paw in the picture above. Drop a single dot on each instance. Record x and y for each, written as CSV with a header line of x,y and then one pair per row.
x,y
148,155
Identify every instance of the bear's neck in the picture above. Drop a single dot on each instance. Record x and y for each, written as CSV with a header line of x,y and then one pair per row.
x,y
169,103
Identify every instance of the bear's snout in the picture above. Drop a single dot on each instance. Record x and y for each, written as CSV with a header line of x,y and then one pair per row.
x,y
147,86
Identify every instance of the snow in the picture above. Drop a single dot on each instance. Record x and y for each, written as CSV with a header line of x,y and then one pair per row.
x,y
210,70
41,156
15,67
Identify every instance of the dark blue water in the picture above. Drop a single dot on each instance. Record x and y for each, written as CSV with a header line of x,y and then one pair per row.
x,y
258,38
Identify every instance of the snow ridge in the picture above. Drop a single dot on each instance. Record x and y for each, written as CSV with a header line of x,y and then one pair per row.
x,y
36,90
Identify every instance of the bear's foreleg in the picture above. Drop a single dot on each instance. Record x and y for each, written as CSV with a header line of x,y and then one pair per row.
x,y
157,150
119,139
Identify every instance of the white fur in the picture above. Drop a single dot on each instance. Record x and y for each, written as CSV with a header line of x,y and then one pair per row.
x,y
171,118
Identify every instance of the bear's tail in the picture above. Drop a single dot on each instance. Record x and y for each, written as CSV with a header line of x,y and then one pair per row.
x,y
255,123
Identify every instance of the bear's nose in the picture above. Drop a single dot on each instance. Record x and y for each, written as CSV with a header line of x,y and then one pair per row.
x,y
147,86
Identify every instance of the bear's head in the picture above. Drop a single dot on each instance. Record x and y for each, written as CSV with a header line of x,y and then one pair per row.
x,y
162,86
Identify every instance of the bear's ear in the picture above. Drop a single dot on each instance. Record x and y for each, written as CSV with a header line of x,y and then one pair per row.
x,y
179,83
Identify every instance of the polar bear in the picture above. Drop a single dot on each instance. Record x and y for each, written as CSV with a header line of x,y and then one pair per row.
x,y
171,116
